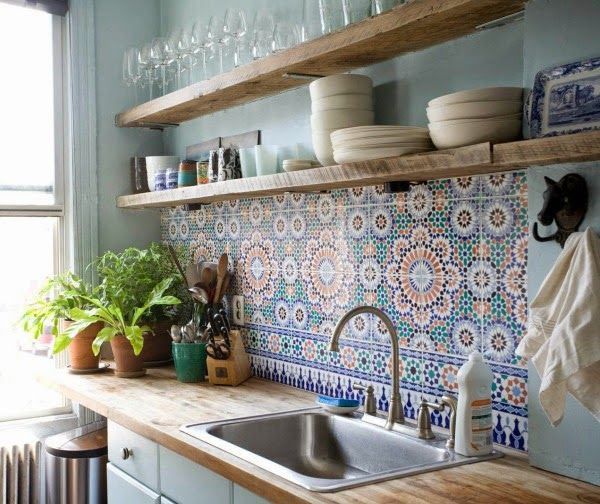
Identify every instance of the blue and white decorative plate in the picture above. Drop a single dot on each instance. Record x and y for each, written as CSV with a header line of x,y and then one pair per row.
x,y
566,99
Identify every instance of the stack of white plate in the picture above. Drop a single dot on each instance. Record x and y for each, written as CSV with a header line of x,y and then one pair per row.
x,y
372,142
474,116
291,165
338,101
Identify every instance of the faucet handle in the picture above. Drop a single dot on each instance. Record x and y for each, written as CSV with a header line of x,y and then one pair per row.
x,y
369,391
424,420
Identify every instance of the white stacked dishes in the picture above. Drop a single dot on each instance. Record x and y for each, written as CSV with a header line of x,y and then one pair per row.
x,y
338,102
478,115
373,142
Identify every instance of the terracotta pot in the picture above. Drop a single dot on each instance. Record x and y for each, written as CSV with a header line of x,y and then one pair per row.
x,y
125,359
157,346
80,348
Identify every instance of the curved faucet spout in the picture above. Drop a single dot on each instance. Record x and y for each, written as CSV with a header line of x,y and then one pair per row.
x,y
395,413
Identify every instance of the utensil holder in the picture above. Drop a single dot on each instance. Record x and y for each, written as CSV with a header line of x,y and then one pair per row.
x,y
235,369
190,362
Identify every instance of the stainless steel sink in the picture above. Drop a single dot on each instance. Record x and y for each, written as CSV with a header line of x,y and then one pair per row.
x,y
324,452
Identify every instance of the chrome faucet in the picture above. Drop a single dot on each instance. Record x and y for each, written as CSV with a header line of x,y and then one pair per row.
x,y
395,412
395,419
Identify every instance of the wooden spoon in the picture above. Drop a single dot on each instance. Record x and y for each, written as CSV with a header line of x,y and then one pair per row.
x,y
221,272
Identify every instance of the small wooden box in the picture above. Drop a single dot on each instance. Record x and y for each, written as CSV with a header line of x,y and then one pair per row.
x,y
234,370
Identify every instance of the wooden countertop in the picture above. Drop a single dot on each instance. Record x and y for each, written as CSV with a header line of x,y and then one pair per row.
x,y
157,405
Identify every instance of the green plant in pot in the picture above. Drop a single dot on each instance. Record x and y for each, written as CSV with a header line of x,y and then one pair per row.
x,y
123,325
129,277
52,307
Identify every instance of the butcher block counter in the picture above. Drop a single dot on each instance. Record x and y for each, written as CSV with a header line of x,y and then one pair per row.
x,y
156,405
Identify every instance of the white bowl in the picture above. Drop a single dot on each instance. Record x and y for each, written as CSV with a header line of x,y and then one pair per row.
x,y
356,155
380,131
154,163
358,144
469,133
340,84
454,122
344,101
473,110
482,94
323,149
336,119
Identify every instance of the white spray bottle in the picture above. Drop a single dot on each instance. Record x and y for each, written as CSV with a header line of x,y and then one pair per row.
x,y
474,415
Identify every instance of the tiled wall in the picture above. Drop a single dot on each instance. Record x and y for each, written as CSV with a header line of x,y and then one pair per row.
x,y
446,261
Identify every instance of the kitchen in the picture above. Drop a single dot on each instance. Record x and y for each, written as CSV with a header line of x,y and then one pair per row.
x,y
448,255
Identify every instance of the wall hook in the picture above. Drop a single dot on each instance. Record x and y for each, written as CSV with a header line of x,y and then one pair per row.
x,y
565,203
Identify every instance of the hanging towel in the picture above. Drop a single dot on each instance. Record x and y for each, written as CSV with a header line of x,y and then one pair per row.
x,y
563,338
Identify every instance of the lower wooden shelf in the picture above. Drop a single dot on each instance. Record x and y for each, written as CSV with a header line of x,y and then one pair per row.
x,y
472,160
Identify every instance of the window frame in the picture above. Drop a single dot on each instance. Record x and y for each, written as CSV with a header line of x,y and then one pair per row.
x,y
61,207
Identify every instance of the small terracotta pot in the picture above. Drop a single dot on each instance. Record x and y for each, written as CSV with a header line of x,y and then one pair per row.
x,y
81,355
125,359
157,346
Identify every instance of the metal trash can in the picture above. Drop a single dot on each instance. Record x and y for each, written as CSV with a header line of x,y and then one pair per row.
x,y
76,465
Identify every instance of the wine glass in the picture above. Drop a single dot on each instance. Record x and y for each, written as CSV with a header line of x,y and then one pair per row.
x,y
162,55
147,67
285,36
126,75
356,10
181,43
200,45
218,37
332,18
262,37
132,71
235,26
311,20
384,5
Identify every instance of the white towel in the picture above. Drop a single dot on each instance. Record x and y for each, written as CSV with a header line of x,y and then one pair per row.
x,y
563,340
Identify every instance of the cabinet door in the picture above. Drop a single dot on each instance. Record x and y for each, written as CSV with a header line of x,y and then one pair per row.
x,y
243,496
123,489
140,458
186,482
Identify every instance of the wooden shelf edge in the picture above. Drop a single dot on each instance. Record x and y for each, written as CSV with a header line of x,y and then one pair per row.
x,y
419,167
406,28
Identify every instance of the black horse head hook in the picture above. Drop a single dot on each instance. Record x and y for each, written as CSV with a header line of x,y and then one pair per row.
x,y
565,202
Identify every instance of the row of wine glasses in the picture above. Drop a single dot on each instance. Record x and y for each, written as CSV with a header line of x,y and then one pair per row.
x,y
214,46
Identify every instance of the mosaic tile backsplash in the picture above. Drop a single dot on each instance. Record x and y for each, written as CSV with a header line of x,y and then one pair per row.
x,y
446,261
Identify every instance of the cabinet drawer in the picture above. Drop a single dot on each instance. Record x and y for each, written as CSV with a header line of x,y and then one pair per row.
x,y
134,454
123,489
186,482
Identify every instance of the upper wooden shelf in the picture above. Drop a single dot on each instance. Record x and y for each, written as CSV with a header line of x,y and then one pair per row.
x,y
406,28
473,160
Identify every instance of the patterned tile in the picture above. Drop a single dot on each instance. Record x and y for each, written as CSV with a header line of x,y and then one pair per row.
x,y
446,261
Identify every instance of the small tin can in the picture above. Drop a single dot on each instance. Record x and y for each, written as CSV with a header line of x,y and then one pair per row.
x,y
186,178
172,176
202,172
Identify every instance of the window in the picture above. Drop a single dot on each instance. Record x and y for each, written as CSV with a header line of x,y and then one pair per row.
x,y
32,209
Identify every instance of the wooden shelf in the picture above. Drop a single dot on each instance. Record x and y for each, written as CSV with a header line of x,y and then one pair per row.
x,y
406,28
473,160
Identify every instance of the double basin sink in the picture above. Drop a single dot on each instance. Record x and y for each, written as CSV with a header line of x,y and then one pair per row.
x,y
324,452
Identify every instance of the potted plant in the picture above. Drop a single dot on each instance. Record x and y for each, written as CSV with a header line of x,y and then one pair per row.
x,y
130,276
51,309
123,324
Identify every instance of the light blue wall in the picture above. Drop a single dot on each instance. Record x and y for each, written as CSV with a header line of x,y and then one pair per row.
x,y
120,23
402,86
557,32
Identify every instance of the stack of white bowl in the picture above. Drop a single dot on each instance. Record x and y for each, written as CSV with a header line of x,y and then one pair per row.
x,y
338,101
475,116
364,143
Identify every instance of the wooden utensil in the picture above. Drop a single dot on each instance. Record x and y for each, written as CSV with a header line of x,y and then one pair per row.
x,y
221,272
178,264
224,287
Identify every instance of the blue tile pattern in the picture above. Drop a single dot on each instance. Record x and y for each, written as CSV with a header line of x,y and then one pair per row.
x,y
446,261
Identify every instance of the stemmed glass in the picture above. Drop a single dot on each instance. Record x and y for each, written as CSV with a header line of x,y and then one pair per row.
x,y
311,20
262,38
218,37
356,10
331,15
147,66
285,35
162,55
235,26
181,44
132,72
201,44
384,5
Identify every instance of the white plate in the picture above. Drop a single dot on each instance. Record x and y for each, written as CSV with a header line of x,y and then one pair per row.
x,y
473,110
355,155
288,168
372,143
